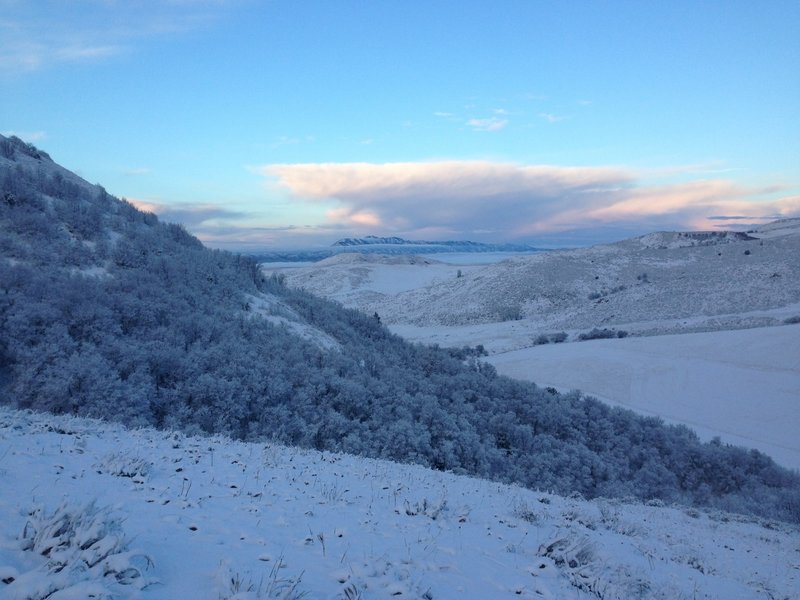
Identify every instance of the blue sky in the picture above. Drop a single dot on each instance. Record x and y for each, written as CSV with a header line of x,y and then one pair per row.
x,y
296,123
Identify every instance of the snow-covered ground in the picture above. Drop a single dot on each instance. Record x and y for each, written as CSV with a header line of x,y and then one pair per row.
x,y
207,518
743,386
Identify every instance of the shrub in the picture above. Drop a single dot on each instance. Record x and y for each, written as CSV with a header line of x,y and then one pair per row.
x,y
597,334
510,312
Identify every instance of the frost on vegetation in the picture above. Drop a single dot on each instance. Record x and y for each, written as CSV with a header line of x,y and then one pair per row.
x,y
553,338
122,465
236,586
432,510
380,578
578,559
602,334
84,554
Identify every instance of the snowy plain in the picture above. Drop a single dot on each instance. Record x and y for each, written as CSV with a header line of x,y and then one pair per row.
x,y
209,518
743,385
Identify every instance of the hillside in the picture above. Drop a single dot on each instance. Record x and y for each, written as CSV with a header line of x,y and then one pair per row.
x,y
152,514
107,312
659,283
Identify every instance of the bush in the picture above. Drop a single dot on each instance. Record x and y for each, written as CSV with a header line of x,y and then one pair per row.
x,y
597,334
510,312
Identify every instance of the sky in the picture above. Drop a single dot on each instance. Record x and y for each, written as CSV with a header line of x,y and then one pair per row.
x,y
277,124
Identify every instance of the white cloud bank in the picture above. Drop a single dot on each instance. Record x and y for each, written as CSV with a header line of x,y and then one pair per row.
x,y
511,201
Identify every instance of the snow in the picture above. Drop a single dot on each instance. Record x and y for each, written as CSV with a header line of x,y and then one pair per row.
x,y
220,519
734,372
658,284
743,386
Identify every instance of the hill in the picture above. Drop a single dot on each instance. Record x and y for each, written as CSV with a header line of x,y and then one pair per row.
x,y
107,312
100,511
665,282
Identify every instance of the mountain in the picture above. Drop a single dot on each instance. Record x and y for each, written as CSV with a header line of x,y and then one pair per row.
x,y
107,312
388,246
430,247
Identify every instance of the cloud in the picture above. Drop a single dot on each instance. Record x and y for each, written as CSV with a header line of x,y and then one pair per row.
x,y
551,118
495,200
36,35
79,53
193,216
489,124
137,171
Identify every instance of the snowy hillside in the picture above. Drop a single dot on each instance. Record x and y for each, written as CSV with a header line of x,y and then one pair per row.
x,y
94,510
658,283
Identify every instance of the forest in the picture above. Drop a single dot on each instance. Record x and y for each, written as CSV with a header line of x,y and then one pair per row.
x,y
107,312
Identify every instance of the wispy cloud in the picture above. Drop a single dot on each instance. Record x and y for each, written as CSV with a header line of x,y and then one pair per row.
x,y
470,198
137,171
552,118
36,35
488,124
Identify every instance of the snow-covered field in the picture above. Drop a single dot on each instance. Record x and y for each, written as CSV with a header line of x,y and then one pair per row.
x,y
183,517
743,385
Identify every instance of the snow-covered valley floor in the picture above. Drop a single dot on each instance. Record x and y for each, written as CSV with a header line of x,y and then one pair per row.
x,y
743,385
211,518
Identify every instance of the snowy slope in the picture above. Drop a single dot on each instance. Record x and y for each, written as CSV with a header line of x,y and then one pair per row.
x,y
659,283
207,518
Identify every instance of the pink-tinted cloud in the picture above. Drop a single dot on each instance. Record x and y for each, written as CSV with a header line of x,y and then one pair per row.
x,y
474,199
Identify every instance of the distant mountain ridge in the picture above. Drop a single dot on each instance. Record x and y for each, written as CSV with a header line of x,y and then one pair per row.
x,y
446,246
391,245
